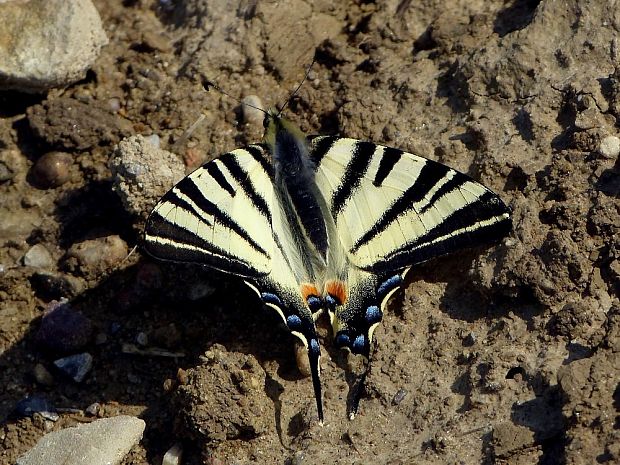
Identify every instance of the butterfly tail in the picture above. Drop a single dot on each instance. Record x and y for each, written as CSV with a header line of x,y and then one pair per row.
x,y
314,356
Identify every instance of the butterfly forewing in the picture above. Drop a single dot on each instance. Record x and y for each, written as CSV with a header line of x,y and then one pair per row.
x,y
220,215
394,209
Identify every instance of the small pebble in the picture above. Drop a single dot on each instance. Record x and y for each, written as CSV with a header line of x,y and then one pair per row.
x,y
193,157
33,404
153,139
168,385
50,416
76,366
251,115
469,340
142,339
298,458
63,329
101,338
114,104
42,375
156,42
93,409
399,396
610,147
98,255
301,356
173,456
52,169
38,257
168,336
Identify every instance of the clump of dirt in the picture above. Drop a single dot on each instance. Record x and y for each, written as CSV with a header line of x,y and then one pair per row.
x,y
502,355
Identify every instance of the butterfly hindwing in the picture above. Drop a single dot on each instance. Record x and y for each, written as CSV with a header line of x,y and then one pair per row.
x,y
219,215
394,209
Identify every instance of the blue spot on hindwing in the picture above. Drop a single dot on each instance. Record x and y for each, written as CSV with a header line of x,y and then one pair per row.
x,y
314,348
330,301
293,322
314,303
359,344
270,298
342,340
373,315
386,286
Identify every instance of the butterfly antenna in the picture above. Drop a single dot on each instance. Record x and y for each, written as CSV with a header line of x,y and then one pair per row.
x,y
298,87
210,84
207,86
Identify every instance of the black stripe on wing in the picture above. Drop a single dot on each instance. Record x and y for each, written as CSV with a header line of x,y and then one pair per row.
x,y
173,249
386,164
239,175
217,175
355,170
320,146
188,188
484,221
430,175
457,180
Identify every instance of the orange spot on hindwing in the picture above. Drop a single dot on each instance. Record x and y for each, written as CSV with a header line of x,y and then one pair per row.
x,y
312,297
337,290
309,290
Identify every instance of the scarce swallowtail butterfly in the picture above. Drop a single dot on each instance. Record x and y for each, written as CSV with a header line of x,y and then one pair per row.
x,y
322,223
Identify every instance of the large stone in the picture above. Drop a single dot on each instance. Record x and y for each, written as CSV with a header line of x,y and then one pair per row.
x,y
47,43
102,442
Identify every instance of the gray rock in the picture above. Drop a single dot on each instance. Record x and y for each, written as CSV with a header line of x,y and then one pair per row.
x,y
47,43
75,366
42,375
142,173
93,409
30,405
102,442
63,330
38,257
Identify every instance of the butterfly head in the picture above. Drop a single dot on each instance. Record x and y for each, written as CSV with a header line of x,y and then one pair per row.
x,y
277,127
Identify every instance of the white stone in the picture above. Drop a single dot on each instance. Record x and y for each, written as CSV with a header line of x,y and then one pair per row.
x,y
173,456
142,173
251,114
38,257
47,43
102,442
610,147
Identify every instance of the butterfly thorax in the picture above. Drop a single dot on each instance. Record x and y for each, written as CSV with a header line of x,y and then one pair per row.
x,y
304,210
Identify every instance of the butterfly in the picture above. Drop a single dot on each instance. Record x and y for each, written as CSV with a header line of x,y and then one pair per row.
x,y
322,223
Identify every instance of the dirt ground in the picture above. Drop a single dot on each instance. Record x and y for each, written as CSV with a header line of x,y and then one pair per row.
x,y
506,355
